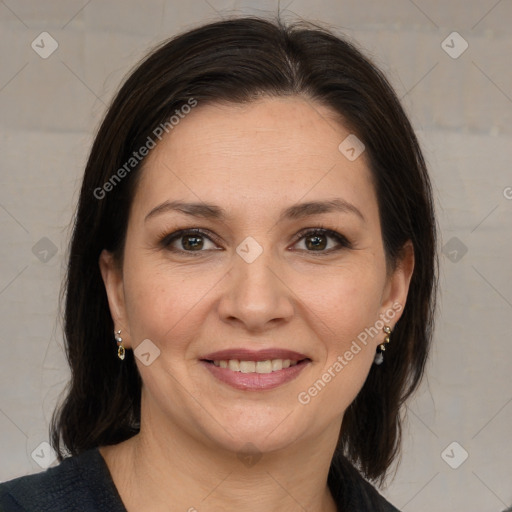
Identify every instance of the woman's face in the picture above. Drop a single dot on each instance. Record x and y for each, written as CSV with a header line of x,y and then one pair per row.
x,y
252,278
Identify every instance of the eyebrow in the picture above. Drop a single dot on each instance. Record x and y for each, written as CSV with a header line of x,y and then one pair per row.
x,y
298,211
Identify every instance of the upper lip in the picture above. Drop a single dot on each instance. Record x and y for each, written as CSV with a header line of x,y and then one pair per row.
x,y
243,354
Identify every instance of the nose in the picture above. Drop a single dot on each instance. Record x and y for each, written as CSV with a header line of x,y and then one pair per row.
x,y
256,295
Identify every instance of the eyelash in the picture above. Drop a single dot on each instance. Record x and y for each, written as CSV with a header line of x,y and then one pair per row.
x,y
344,243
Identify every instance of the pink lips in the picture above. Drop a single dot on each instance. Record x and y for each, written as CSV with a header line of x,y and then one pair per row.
x,y
243,354
255,381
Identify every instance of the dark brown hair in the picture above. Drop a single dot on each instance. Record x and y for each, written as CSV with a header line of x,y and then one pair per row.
x,y
238,60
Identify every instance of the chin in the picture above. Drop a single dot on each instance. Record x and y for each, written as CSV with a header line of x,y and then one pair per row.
x,y
255,443
259,437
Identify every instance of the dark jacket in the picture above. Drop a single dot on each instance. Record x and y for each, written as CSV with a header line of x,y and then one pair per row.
x,y
83,483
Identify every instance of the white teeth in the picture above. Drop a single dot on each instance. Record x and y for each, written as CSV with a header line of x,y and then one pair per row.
x,y
247,366
277,364
234,365
264,366
267,366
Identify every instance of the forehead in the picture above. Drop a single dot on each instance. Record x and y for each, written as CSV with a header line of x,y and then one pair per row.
x,y
267,152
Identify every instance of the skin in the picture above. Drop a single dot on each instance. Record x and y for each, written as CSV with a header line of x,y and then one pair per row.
x,y
253,161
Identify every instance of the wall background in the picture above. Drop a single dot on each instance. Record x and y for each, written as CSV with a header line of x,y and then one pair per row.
x,y
462,109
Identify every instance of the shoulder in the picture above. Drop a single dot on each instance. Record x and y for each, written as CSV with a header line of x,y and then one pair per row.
x,y
82,479
351,491
374,498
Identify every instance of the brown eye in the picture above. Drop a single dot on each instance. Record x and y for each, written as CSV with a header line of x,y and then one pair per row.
x,y
192,242
317,240
189,240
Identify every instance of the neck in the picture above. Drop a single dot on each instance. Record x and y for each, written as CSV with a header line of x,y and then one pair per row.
x,y
163,469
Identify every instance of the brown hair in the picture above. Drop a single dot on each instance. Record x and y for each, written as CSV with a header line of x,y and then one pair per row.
x,y
238,60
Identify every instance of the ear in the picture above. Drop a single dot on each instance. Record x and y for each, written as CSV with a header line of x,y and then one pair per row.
x,y
113,280
397,285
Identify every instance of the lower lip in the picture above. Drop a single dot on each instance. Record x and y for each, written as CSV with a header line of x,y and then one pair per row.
x,y
256,381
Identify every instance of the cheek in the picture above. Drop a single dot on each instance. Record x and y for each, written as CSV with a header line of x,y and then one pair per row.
x,y
164,303
155,300
345,301
344,310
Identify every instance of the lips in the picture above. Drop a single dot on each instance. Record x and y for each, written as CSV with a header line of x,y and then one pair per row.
x,y
242,354
255,370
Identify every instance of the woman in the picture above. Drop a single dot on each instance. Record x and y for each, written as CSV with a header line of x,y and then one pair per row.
x,y
251,283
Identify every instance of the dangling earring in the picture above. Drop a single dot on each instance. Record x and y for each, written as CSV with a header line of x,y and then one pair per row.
x,y
379,357
120,348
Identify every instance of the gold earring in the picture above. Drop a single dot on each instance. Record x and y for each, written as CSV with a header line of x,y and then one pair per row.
x,y
120,348
379,357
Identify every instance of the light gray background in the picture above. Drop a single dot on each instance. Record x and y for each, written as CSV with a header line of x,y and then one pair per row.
x,y
462,111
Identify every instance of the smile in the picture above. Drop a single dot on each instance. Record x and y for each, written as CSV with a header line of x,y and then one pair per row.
x,y
255,375
268,366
